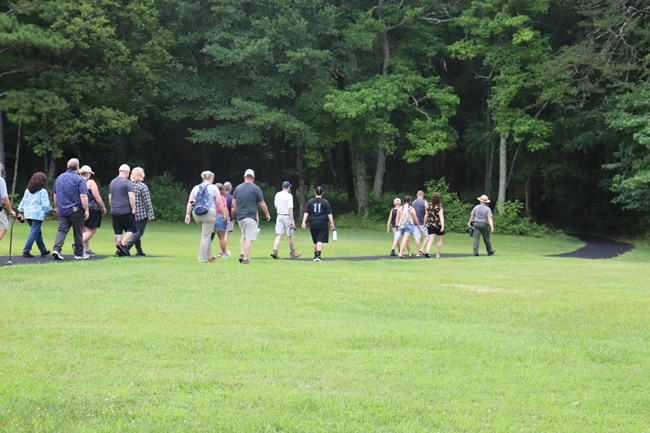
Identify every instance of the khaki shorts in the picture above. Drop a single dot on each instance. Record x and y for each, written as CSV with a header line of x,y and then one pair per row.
x,y
283,225
420,231
4,221
248,227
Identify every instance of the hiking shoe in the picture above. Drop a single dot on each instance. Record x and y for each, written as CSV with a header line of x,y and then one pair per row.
x,y
475,254
83,256
491,253
46,253
57,255
274,254
28,255
295,254
140,254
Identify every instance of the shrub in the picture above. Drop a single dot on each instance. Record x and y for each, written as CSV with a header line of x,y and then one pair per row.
x,y
511,220
168,197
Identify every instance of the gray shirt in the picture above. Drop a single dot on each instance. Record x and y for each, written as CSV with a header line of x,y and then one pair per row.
x,y
3,189
481,213
247,195
419,206
119,190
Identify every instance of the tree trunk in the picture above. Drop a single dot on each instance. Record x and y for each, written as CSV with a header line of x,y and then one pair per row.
x,y
16,160
349,171
380,172
301,181
2,140
51,171
528,196
489,168
360,186
503,171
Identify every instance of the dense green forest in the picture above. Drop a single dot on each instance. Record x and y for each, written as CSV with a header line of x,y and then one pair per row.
x,y
545,102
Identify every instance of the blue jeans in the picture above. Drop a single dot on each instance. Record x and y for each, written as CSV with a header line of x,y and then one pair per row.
x,y
35,235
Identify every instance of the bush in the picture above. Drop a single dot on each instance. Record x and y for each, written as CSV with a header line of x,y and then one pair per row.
x,y
512,221
169,197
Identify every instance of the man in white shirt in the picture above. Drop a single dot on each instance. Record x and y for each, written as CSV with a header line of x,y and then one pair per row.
x,y
284,224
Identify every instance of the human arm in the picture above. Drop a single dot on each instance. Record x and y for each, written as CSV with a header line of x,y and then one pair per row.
x,y
84,204
491,223
293,222
94,190
146,199
222,208
233,210
188,208
132,201
265,209
331,218
390,219
304,220
415,216
7,204
442,219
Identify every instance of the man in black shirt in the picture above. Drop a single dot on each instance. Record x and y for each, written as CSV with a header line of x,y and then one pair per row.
x,y
319,212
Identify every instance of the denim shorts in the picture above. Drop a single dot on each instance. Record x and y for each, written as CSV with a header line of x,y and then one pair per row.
x,y
220,224
408,228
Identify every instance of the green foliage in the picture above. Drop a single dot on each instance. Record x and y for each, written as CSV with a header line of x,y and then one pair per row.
x,y
512,221
168,197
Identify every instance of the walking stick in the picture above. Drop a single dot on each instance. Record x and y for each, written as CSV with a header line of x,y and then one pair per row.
x,y
11,240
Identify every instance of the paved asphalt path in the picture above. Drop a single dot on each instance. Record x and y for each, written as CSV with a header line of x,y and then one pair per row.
x,y
595,248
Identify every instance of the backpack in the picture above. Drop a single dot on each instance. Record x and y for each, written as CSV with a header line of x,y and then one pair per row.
x,y
202,201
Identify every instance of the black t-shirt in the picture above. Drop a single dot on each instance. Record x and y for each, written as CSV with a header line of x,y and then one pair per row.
x,y
317,210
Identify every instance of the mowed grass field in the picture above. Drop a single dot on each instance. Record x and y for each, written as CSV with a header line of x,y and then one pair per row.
x,y
517,342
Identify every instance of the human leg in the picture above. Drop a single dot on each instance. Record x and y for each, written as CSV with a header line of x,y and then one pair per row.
x,y
87,236
77,220
62,232
439,246
34,229
222,242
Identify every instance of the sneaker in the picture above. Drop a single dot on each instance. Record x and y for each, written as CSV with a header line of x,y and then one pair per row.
x,y
90,253
83,256
475,254
228,254
57,255
318,259
123,249
427,255
393,253
245,261
140,254
46,253
119,253
28,255
295,254
274,254
491,253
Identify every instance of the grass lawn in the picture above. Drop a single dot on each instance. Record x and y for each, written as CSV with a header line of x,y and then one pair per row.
x,y
517,342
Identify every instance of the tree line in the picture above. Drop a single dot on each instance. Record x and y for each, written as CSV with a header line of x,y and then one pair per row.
x,y
546,102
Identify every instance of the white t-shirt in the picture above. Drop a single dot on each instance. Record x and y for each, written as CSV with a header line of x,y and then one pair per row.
x,y
283,202
212,193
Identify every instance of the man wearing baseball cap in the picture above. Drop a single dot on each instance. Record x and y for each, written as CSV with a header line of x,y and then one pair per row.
x,y
6,204
284,223
246,199
122,201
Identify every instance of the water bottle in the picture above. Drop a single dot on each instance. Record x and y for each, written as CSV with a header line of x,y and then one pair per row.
x,y
334,235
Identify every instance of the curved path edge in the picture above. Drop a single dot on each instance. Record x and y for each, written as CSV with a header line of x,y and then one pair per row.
x,y
597,247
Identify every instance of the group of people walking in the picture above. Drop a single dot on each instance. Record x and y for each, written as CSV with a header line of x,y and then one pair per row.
x,y
78,205
214,209
425,220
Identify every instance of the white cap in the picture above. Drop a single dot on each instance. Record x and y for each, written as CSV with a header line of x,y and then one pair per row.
x,y
125,167
86,169
249,173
